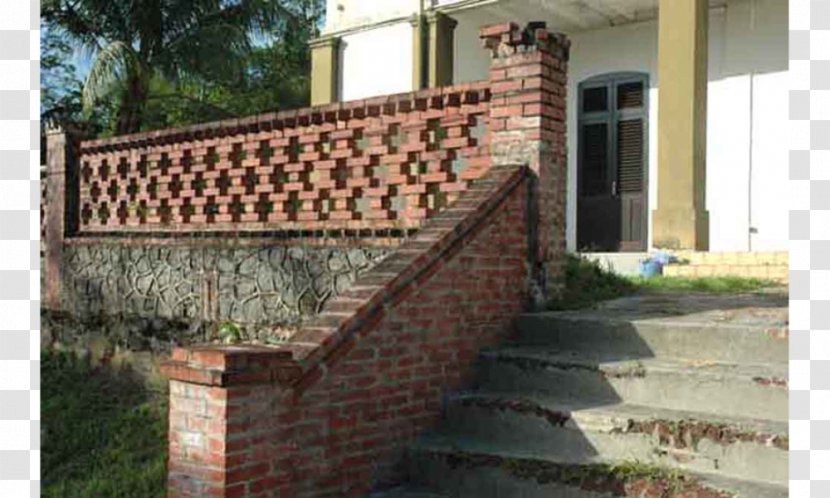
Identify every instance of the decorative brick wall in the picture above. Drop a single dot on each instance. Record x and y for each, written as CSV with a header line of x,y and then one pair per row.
x,y
382,163
431,174
329,412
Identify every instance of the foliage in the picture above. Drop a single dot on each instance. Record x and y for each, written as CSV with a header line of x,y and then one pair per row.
x,y
61,87
587,283
104,433
230,333
161,63
632,470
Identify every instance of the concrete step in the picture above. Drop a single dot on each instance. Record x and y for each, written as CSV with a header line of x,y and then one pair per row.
x,y
478,469
730,446
583,381
647,327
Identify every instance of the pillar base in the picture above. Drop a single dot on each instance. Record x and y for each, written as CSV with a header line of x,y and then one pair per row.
x,y
681,228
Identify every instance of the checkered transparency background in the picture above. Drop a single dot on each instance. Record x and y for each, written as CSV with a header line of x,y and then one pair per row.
x,y
809,250
19,249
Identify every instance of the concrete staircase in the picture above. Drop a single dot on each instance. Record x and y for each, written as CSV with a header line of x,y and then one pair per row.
x,y
686,394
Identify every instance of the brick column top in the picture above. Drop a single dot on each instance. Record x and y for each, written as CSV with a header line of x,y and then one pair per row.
x,y
505,39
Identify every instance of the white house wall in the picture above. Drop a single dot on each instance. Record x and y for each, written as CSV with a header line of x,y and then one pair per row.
x,y
348,14
376,62
747,114
747,109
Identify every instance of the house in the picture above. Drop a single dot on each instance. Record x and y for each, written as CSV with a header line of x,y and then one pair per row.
x,y
676,109
409,236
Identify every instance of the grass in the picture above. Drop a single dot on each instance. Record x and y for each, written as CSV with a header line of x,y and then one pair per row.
x,y
709,285
587,284
104,432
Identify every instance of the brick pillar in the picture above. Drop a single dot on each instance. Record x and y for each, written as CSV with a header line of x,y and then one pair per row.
x,y
62,212
528,75
223,400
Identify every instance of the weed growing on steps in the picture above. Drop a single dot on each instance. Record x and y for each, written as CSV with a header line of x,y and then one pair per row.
x,y
684,434
624,479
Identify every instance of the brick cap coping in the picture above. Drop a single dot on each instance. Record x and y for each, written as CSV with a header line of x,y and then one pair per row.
x,y
232,240
299,362
534,36
234,235
454,95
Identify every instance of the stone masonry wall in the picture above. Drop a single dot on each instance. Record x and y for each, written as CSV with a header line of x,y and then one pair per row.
x,y
259,287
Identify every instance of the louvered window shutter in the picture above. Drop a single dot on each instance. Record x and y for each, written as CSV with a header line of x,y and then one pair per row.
x,y
594,158
630,95
595,99
630,155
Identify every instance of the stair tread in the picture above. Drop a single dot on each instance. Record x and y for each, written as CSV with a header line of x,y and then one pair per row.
x,y
584,416
754,311
777,373
444,444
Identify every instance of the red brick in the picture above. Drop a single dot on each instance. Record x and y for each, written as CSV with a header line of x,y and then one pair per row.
x,y
386,386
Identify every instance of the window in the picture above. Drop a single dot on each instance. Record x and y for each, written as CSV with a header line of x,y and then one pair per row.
x,y
612,134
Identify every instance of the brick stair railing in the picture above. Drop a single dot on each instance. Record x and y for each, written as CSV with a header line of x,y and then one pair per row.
x,y
329,412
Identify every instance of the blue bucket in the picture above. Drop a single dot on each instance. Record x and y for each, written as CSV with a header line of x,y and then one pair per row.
x,y
663,258
650,268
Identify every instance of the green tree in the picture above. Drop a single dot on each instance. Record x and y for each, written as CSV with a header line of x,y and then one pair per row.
x,y
60,85
190,55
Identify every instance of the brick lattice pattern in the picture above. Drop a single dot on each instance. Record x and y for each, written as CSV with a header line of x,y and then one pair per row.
x,y
382,163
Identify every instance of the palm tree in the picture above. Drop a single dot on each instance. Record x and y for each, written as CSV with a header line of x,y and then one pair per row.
x,y
131,42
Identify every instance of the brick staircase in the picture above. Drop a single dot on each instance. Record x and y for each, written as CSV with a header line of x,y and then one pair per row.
x,y
693,383
761,265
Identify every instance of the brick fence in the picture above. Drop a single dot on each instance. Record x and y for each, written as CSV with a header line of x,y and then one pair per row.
x,y
470,181
328,413
387,162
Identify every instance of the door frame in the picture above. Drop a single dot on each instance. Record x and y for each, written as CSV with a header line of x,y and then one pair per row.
x,y
612,80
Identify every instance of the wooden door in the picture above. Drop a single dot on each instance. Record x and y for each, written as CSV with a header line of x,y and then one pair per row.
x,y
612,207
